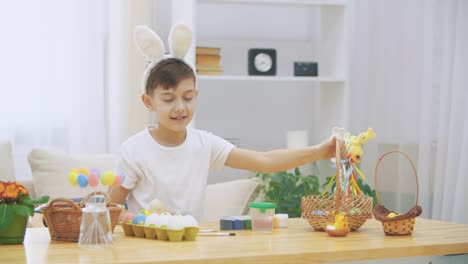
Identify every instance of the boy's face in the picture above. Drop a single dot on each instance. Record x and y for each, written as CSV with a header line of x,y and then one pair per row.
x,y
174,107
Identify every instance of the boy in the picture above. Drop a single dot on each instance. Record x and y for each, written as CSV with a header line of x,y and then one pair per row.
x,y
171,162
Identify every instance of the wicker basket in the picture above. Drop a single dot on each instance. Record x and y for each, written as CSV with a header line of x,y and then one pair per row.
x,y
357,209
326,204
399,225
63,216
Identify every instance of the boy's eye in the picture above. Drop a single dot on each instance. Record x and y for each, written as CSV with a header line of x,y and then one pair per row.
x,y
168,100
188,98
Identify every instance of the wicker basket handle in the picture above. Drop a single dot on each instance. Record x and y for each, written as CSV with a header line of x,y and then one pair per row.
x,y
412,165
62,201
87,197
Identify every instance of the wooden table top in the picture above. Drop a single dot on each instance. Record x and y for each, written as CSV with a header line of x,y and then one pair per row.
x,y
296,244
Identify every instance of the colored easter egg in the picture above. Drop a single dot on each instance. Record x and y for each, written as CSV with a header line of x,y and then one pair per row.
x,y
318,212
391,215
128,217
108,178
118,180
83,171
139,218
96,172
82,180
73,178
75,170
93,179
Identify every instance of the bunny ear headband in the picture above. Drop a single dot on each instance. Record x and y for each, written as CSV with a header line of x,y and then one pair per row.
x,y
151,46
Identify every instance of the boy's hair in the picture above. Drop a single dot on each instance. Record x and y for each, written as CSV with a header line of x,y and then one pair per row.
x,y
167,74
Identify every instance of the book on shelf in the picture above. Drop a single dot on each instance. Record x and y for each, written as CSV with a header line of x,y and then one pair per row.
x,y
208,60
208,51
209,70
205,72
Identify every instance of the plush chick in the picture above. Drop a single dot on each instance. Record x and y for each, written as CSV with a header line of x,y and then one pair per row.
x,y
392,215
156,206
354,144
340,227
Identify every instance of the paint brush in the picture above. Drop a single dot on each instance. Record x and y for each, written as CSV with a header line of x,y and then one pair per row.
x,y
217,234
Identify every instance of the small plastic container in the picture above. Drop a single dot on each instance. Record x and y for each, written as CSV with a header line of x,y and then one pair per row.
x,y
262,215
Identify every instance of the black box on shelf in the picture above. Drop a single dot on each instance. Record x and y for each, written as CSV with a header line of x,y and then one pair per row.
x,y
305,68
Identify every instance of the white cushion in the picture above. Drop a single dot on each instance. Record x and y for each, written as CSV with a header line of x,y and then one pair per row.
x,y
229,198
6,162
50,170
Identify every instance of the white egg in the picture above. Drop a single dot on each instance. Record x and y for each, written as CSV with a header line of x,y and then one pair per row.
x,y
162,220
175,223
151,219
189,221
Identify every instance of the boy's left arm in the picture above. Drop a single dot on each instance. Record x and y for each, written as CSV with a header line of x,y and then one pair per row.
x,y
282,159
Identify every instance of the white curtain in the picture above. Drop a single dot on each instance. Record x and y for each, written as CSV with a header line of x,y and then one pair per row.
x,y
69,73
409,82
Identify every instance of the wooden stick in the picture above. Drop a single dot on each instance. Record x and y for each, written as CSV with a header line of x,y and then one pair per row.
x,y
217,234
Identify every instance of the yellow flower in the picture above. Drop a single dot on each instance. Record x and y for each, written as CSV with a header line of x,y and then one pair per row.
x,y
11,191
21,188
2,187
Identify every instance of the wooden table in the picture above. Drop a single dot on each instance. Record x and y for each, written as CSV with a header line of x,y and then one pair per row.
x,y
297,244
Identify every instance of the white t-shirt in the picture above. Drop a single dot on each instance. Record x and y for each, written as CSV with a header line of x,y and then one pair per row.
x,y
175,175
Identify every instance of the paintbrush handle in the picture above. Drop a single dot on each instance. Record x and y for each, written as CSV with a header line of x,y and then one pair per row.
x,y
217,234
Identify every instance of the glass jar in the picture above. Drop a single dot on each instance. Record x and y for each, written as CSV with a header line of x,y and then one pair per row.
x,y
95,229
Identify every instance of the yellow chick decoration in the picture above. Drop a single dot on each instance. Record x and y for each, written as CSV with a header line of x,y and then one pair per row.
x,y
340,227
392,215
354,143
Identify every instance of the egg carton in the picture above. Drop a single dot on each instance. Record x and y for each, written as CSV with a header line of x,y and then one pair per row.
x,y
162,234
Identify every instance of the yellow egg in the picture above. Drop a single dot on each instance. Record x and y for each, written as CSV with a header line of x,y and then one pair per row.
x,y
84,171
391,215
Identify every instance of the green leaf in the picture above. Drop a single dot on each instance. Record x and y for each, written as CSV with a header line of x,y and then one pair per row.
x,y
20,209
297,172
41,200
6,215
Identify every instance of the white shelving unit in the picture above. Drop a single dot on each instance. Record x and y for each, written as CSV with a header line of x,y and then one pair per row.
x,y
282,2
268,78
258,110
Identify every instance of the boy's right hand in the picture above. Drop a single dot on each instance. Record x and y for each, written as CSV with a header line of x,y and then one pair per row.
x,y
327,148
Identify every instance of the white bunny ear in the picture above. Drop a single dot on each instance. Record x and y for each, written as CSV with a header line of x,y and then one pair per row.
x,y
149,43
180,40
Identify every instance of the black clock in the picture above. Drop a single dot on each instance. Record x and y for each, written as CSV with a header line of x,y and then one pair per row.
x,y
262,61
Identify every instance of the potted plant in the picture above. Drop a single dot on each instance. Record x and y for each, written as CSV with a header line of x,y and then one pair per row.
x,y
15,207
286,189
